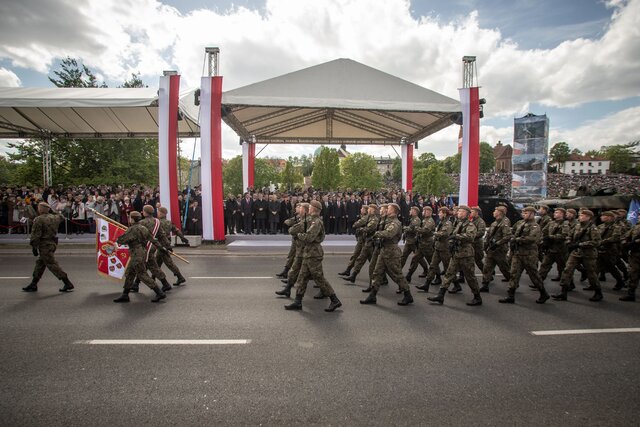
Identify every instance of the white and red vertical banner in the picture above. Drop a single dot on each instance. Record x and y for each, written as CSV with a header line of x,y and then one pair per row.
x,y
168,96
470,164
248,165
211,158
407,167
112,258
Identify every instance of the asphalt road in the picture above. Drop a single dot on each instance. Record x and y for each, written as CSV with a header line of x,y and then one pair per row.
x,y
363,365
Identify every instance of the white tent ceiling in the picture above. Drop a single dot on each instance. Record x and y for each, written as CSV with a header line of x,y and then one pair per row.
x,y
341,101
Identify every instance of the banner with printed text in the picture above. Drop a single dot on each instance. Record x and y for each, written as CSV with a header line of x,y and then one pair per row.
x,y
112,258
529,160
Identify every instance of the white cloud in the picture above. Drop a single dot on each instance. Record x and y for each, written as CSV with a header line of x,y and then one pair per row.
x,y
8,78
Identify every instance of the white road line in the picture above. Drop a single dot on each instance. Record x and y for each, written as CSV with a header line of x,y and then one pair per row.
x,y
218,277
9,278
586,331
162,342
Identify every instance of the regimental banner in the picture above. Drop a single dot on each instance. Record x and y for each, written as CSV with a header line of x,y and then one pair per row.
x,y
529,160
112,258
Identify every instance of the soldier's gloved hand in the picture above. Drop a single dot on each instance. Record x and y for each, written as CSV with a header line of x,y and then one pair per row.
x,y
34,250
519,239
376,235
163,250
170,249
572,246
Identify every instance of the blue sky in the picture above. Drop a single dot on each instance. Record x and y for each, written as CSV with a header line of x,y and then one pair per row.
x,y
575,60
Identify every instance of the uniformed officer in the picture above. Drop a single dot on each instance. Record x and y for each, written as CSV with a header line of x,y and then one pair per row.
x,y
525,242
367,249
358,228
425,243
389,257
583,250
478,243
461,246
153,225
631,242
543,221
441,253
376,249
312,261
496,246
295,230
136,237
43,243
625,227
554,238
165,240
289,222
608,251
410,234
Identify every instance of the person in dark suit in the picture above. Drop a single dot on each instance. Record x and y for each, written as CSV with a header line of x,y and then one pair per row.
x,y
286,212
340,214
230,207
405,207
260,209
194,219
353,213
327,214
246,210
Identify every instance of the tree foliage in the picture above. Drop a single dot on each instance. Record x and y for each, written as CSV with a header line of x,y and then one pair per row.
x,y
487,159
433,180
452,163
264,174
396,170
326,169
424,161
74,74
359,170
290,175
7,171
306,163
559,153
623,157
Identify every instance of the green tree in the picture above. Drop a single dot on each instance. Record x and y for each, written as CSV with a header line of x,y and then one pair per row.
x,y
290,175
487,159
326,169
622,157
559,153
7,171
396,170
433,180
593,153
306,163
576,151
424,161
452,163
359,170
264,174
73,74
134,81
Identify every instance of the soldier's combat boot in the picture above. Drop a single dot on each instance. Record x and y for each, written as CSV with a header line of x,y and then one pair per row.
x,y
602,277
68,286
408,298
367,289
619,285
285,281
456,288
159,294
180,280
424,287
351,278
510,298
477,300
335,303
283,273
423,275
630,296
589,288
319,295
438,298
136,286
31,287
597,296
166,286
484,287
555,279
347,272
285,292
408,277
124,297
544,296
572,285
371,298
583,276
562,296
438,280
296,304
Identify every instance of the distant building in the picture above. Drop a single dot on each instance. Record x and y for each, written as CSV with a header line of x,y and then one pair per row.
x,y
502,154
578,164
385,165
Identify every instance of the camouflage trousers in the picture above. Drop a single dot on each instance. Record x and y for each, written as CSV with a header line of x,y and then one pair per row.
x,y
524,262
423,254
291,255
153,266
607,264
137,268
389,264
467,266
407,250
355,254
492,259
589,264
372,266
312,269
550,258
364,256
634,269
164,258
46,259
478,253
294,271
439,256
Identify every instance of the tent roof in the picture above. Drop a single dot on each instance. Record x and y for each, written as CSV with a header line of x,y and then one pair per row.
x,y
87,113
340,101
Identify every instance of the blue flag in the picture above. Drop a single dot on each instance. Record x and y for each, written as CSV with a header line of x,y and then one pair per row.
x,y
634,211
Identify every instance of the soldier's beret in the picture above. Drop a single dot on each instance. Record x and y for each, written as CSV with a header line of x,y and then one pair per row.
x,y
384,205
135,214
586,212
621,212
529,209
374,207
571,211
563,210
417,208
427,208
502,209
163,210
395,206
148,209
465,207
44,205
477,209
609,213
316,204
444,209
544,207
304,205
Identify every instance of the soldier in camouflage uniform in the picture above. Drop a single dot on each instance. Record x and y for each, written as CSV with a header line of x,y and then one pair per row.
x,y
631,242
295,229
358,228
625,227
164,238
525,242
583,248
410,235
496,246
478,243
153,225
543,222
291,256
389,257
608,251
312,261
43,243
136,237
376,250
367,249
461,241
425,243
554,237
441,251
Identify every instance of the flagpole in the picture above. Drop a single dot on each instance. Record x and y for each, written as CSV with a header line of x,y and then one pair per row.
x,y
125,228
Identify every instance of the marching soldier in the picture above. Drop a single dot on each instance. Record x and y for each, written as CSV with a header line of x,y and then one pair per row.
x,y
367,249
411,235
543,222
153,225
478,243
571,216
376,249
461,246
289,222
295,230
582,248
389,257
441,251
631,243
425,243
496,246
312,261
525,256
554,238
43,243
136,237
358,228
164,238
625,227
608,251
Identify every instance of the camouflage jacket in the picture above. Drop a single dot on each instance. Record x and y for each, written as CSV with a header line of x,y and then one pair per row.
x,y
137,236
498,236
358,225
625,226
167,228
464,235
389,237
527,236
633,237
609,238
313,237
588,239
295,230
544,221
150,224
555,235
290,221
441,234
371,228
411,231
425,232
481,228
45,229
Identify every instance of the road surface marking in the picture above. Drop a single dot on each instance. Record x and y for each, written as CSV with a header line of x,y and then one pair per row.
x,y
586,331
9,278
162,342
218,277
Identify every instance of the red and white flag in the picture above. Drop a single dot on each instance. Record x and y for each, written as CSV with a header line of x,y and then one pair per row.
x,y
112,258
470,161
